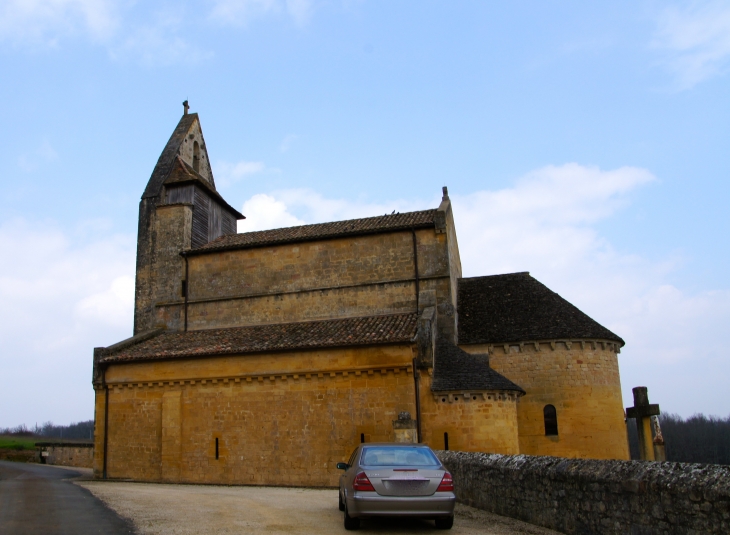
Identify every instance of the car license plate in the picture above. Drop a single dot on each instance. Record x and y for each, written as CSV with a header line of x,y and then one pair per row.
x,y
406,487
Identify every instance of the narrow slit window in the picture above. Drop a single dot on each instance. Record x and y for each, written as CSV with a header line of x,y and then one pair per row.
x,y
446,441
362,438
184,288
216,449
551,420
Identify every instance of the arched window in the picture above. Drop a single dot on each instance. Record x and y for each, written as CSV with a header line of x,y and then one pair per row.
x,y
551,420
196,156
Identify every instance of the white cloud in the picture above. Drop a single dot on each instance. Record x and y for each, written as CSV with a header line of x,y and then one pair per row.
x,y
265,212
111,305
60,299
229,173
45,20
241,12
547,224
696,40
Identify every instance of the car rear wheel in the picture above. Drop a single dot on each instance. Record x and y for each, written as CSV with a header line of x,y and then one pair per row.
x,y
445,523
342,505
351,523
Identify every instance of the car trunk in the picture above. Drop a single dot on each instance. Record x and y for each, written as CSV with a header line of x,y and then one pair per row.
x,y
399,482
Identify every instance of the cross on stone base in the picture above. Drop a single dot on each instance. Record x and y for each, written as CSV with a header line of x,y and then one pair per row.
x,y
643,412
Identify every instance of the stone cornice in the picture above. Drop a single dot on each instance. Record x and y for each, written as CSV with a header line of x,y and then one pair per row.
x,y
265,376
552,345
468,396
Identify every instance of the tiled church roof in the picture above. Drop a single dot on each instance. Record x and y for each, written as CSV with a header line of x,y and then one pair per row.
x,y
455,369
518,308
336,229
399,328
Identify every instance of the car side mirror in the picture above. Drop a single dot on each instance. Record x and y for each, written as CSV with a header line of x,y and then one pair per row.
x,y
342,466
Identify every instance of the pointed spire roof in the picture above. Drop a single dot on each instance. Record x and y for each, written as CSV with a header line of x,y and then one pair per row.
x,y
177,146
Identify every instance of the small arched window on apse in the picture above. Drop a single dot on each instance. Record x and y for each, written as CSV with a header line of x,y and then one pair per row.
x,y
196,156
551,420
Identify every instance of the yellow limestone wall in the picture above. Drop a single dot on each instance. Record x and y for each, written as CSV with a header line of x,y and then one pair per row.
x,y
487,423
335,278
581,381
288,425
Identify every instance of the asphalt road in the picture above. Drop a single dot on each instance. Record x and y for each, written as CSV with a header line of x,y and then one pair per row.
x,y
37,499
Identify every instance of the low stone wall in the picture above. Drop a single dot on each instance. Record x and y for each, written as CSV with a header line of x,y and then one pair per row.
x,y
66,454
590,496
18,456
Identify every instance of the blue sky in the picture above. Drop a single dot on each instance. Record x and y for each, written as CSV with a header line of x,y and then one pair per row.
x,y
585,142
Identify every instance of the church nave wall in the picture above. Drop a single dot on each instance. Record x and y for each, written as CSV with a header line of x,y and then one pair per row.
x,y
288,426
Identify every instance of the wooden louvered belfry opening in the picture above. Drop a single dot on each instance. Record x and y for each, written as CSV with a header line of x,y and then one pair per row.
x,y
210,220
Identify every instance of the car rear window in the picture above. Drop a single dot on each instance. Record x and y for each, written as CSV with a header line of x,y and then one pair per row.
x,y
398,456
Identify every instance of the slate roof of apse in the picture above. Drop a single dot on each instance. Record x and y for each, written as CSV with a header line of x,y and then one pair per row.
x,y
182,173
518,308
455,369
370,330
167,157
335,229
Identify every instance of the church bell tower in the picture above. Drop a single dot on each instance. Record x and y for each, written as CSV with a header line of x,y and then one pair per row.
x,y
180,210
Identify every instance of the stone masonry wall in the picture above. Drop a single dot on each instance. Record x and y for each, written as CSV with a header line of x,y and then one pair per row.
x,y
80,455
474,421
581,380
591,496
277,419
334,278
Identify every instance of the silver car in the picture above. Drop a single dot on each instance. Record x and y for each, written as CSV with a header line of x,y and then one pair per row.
x,y
394,479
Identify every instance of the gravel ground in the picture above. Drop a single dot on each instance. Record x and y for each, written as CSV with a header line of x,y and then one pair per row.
x,y
158,509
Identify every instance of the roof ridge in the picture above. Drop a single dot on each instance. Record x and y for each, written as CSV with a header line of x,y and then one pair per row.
x,y
310,225
325,230
496,276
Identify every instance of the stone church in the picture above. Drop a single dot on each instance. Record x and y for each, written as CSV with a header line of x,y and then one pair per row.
x,y
266,357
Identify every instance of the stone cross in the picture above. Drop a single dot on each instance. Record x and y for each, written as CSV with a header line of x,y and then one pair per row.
x,y
643,412
186,107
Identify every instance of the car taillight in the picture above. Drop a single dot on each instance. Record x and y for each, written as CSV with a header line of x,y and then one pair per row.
x,y
447,484
362,482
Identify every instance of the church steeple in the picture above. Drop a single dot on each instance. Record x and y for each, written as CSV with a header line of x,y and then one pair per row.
x,y
186,142
180,210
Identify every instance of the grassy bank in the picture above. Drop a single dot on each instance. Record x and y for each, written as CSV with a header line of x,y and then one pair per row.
x,y
18,443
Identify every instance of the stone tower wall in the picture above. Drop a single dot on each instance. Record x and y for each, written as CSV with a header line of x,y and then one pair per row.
x,y
160,268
